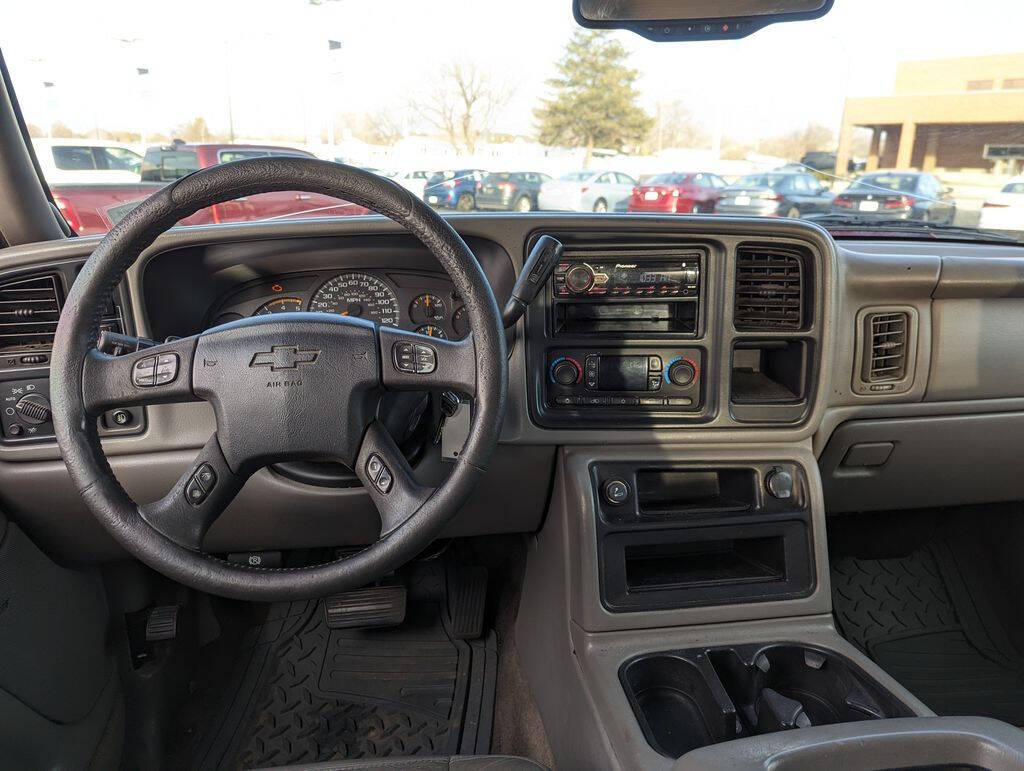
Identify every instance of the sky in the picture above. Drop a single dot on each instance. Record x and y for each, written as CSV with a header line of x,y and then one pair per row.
x,y
269,60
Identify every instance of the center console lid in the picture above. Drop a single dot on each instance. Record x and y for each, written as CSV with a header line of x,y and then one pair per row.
x,y
898,743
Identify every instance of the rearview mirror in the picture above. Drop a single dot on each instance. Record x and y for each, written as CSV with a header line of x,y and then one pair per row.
x,y
694,19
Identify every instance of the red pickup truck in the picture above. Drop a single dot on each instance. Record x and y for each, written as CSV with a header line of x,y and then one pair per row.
x,y
95,208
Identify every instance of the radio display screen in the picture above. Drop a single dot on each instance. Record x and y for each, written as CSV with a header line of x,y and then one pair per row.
x,y
622,373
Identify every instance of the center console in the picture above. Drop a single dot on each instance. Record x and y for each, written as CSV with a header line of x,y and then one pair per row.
x,y
645,330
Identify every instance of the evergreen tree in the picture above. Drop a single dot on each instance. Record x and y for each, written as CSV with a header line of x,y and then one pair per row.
x,y
594,101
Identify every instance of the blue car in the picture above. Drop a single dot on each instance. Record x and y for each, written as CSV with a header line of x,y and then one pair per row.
x,y
453,189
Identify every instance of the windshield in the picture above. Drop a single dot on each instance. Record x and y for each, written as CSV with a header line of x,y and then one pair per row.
x,y
130,96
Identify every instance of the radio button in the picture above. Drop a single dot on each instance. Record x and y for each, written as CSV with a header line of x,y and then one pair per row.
x,y
579,278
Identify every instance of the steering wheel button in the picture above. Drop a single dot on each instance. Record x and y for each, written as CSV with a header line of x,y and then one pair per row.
x,y
373,467
383,482
167,358
207,476
194,492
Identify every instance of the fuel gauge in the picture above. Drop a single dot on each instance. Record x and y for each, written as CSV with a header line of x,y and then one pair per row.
x,y
432,331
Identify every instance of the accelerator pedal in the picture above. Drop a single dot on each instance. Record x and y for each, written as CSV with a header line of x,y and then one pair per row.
x,y
466,597
374,606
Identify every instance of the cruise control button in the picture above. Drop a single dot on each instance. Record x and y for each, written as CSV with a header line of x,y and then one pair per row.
x,y
383,482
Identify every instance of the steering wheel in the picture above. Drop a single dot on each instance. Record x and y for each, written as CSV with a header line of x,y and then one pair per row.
x,y
267,377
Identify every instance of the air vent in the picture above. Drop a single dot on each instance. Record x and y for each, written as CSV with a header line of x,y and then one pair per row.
x,y
885,359
769,289
29,310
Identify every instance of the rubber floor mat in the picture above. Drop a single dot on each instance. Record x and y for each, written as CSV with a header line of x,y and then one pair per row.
x,y
307,693
923,619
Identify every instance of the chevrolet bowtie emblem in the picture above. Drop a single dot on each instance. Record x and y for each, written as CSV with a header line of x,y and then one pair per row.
x,y
284,357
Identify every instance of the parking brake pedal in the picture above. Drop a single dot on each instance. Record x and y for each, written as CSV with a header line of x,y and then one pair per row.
x,y
374,606
467,593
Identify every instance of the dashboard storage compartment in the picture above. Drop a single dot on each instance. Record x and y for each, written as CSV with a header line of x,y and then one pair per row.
x,y
652,569
769,380
683,535
699,696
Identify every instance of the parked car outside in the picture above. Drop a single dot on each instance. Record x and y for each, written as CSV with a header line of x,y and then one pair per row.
x,y
93,209
86,161
171,162
414,181
678,193
899,195
510,190
825,162
1005,209
596,191
453,189
776,194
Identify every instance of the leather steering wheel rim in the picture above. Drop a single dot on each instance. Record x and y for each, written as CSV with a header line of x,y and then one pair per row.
x,y
78,370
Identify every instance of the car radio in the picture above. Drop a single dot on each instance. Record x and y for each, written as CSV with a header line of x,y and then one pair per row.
x,y
624,295
673,277
648,378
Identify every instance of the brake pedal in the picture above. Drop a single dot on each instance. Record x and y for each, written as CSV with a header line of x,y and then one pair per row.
x,y
374,606
467,594
162,623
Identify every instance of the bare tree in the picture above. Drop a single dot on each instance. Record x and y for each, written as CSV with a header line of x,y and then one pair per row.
x,y
676,126
385,126
463,105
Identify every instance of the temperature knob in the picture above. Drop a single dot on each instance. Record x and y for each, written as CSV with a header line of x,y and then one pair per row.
x,y
681,373
579,278
33,409
566,372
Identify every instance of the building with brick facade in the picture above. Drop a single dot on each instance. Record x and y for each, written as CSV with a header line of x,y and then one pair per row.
x,y
944,115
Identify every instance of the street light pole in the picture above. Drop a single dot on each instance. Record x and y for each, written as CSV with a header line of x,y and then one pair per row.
x,y
332,46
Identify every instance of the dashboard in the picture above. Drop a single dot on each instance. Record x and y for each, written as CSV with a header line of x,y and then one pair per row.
x,y
418,302
656,331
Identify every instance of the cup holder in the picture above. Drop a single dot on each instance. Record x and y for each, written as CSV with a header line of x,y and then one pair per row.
x,y
691,698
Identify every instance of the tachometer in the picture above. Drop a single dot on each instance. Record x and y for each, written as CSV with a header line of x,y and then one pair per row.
x,y
357,294
280,305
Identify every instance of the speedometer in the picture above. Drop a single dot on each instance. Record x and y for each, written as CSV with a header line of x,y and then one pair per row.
x,y
357,294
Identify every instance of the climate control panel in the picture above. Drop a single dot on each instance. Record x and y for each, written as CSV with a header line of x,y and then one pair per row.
x,y
652,379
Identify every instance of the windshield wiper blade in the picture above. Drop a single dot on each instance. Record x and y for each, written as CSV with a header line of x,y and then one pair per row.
x,y
937,229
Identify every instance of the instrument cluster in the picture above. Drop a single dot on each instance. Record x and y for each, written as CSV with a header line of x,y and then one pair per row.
x,y
417,302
